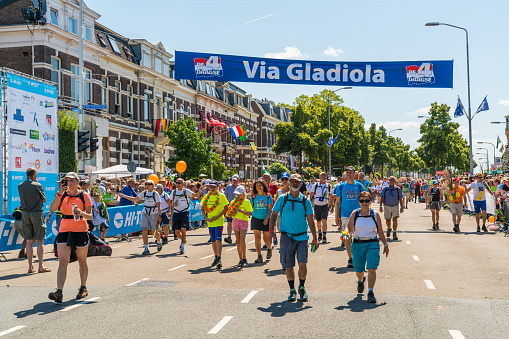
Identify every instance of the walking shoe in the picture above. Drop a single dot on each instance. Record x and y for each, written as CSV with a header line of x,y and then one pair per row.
x,y
371,297
434,227
478,229
240,264
293,295
181,248
210,240
21,254
389,232
214,263
264,247
456,228
259,260
484,229
275,239
350,263
324,240
165,241
219,264
56,296
438,227
175,237
244,261
360,285
82,293
342,243
269,253
394,236
228,240
146,252
320,236
159,246
302,294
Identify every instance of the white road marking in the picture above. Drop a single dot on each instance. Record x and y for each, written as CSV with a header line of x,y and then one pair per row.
x,y
10,330
116,246
208,256
81,303
251,242
416,258
220,325
231,249
248,297
456,334
174,268
430,285
134,283
408,242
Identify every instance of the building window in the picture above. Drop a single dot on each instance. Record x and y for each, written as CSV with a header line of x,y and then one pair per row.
x,y
130,146
129,100
207,88
174,111
88,33
117,97
157,111
88,86
104,91
101,40
181,108
114,44
75,85
118,148
55,71
213,91
73,26
146,108
54,17
200,85
189,110
166,109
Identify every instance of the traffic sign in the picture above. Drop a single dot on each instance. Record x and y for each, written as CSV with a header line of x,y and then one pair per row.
x,y
131,167
95,107
77,110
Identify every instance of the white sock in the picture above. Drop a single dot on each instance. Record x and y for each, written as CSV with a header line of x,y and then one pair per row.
x,y
146,247
370,290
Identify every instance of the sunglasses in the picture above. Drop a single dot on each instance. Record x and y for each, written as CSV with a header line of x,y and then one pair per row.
x,y
364,201
285,179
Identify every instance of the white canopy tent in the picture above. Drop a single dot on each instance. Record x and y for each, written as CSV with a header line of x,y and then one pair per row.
x,y
120,171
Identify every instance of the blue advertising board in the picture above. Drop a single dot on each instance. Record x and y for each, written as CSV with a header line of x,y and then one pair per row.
x,y
223,67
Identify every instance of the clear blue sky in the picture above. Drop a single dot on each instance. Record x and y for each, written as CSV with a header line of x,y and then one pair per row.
x,y
361,30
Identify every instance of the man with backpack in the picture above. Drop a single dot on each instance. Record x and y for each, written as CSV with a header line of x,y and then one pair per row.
x,y
296,217
390,197
321,194
179,202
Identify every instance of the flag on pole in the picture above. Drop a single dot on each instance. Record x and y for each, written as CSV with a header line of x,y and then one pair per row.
x,y
332,140
243,135
483,106
498,141
460,110
168,172
502,149
263,169
238,133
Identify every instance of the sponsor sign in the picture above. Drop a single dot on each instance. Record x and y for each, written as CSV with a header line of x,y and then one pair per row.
x,y
222,67
18,131
34,134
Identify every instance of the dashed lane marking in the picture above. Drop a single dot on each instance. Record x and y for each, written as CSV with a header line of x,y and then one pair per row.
x,y
116,246
251,242
416,258
248,297
134,283
429,284
408,242
10,330
456,334
220,325
208,256
175,268
81,303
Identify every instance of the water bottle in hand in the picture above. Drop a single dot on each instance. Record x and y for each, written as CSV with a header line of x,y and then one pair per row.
x,y
75,212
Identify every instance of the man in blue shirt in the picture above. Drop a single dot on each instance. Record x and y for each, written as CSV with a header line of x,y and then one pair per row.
x,y
129,191
390,197
347,201
296,216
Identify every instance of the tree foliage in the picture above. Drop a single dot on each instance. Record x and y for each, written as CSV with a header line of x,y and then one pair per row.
x,y
68,122
277,168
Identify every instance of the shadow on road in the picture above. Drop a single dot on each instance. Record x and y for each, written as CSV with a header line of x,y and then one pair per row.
x,y
339,249
359,305
46,308
280,309
14,276
273,273
341,270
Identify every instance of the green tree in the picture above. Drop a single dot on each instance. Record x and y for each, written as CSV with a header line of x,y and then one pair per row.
x,y
194,148
218,167
277,168
67,123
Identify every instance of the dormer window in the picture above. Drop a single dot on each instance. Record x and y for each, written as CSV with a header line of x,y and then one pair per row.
x,y
101,40
114,44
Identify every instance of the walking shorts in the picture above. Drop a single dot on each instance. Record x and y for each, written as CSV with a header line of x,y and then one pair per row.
x,y
34,225
180,221
479,206
321,212
365,256
391,211
456,208
239,225
435,205
216,233
149,220
289,249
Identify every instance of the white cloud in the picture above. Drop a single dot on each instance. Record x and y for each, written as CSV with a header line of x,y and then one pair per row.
x,y
390,125
504,102
420,111
289,52
332,52
464,130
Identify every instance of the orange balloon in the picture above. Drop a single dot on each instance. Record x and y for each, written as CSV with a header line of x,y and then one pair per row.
x,y
492,219
154,178
181,166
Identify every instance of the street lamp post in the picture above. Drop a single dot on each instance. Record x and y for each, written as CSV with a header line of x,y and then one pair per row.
x,y
328,112
389,134
481,158
494,149
487,155
469,117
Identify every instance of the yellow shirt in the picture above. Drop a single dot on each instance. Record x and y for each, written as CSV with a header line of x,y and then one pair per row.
x,y
245,206
222,203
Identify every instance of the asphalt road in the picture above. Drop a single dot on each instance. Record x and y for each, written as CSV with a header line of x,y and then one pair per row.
x,y
432,285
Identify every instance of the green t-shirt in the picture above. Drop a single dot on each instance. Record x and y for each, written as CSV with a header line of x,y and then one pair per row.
x,y
245,206
222,203
107,197
405,188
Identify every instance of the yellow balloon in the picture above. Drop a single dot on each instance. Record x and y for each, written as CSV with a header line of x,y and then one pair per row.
x,y
154,178
181,166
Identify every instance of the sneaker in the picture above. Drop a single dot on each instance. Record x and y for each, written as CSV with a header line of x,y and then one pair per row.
x,y
324,240
360,285
371,297
181,248
215,261
394,236
228,240
21,254
240,264
456,228
350,263
259,260
159,246
146,252
389,232
302,294
244,261
82,293
478,229
342,243
165,241
219,264
269,253
210,240
438,227
56,296
484,229
175,237
319,236
264,247
293,295
275,239
434,227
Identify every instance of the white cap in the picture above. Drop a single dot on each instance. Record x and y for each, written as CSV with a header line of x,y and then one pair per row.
x,y
240,190
207,182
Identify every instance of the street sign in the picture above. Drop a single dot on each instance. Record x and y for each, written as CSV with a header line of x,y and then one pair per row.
x,y
77,110
131,167
95,107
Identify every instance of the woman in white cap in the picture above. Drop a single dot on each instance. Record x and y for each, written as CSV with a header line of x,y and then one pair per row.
x,y
240,209
76,208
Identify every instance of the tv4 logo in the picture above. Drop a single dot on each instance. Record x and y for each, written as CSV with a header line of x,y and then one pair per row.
x,y
18,162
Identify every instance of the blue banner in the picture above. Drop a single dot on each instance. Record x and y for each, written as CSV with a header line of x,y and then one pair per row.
x,y
222,67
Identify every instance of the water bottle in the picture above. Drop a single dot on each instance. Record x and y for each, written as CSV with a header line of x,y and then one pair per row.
x,y
313,248
75,212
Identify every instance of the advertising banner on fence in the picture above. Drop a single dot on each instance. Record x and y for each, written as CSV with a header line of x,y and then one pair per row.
x,y
123,220
222,67
32,135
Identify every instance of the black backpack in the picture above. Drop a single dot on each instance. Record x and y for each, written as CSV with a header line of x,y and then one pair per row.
x,y
286,199
184,195
17,213
324,196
